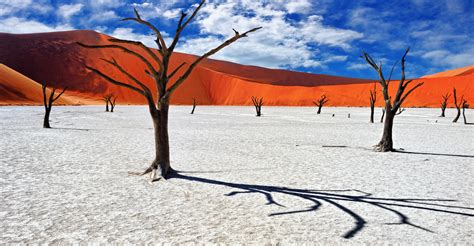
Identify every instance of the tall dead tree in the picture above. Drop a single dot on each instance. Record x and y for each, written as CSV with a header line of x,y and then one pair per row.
x,y
194,105
258,103
157,67
391,106
373,98
48,103
383,114
320,103
106,99
458,105
444,104
465,105
112,103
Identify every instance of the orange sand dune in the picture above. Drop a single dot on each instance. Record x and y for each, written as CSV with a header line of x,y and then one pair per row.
x,y
58,60
454,72
16,88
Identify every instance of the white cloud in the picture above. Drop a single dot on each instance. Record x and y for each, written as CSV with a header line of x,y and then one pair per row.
x,y
21,25
298,6
449,59
68,10
11,7
281,43
104,16
128,34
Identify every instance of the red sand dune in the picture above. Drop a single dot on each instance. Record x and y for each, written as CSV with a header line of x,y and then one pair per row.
x,y
469,70
58,60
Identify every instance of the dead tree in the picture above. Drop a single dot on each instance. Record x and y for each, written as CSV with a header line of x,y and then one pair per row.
x,y
48,103
383,114
391,106
194,105
258,103
465,105
320,103
458,105
373,98
157,67
444,104
106,99
400,111
112,100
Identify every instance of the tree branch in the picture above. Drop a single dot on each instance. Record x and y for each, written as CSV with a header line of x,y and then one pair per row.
x,y
176,70
115,82
144,47
182,26
57,97
126,50
161,42
207,54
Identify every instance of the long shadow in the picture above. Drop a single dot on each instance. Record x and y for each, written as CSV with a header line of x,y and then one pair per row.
x,y
428,153
335,197
72,129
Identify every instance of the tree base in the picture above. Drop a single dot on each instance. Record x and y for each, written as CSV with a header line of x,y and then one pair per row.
x,y
152,171
383,146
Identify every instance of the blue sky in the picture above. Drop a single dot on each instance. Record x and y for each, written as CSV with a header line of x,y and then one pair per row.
x,y
322,36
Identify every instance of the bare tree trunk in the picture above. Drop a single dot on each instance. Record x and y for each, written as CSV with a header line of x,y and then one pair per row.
x,y
106,105
162,149
386,143
372,109
442,112
319,109
112,103
194,105
458,105
383,114
464,115
46,117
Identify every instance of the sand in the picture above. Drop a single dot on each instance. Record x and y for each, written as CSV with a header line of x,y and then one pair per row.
x,y
58,60
243,179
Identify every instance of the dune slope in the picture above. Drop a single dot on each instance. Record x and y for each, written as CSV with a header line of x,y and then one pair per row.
x,y
58,60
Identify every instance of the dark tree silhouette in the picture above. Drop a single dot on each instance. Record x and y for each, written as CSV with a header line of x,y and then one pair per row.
x,y
112,100
465,105
373,98
258,103
383,114
194,105
107,100
320,103
458,105
444,104
48,103
391,106
161,75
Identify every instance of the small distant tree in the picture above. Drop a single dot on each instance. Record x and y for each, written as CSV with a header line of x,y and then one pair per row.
x,y
373,98
106,99
194,105
444,104
383,114
458,105
157,63
391,106
48,103
112,103
320,103
258,103
465,105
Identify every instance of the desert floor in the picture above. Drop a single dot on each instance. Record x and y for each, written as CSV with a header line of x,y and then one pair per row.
x,y
242,179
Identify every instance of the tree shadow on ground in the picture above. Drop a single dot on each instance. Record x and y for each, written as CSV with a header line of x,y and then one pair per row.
x,y
437,154
335,197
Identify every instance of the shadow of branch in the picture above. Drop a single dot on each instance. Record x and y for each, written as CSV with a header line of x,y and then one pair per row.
x,y
335,197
